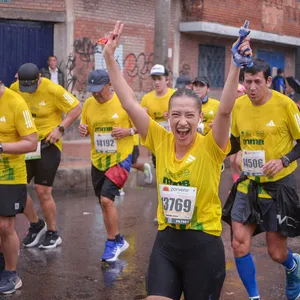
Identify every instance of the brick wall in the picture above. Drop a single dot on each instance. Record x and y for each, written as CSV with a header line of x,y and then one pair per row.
x,y
48,5
94,19
278,16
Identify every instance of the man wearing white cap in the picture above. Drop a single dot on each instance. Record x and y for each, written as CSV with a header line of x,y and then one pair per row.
x,y
157,101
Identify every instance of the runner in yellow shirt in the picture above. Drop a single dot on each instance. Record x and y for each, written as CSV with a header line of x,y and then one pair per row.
x,y
111,133
17,136
156,102
188,254
47,102
209,105
266,124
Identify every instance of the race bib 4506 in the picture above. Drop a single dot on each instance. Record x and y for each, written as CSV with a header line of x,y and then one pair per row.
x,y
252,162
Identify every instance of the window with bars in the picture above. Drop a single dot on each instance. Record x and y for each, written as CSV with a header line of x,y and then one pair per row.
x,y
212,64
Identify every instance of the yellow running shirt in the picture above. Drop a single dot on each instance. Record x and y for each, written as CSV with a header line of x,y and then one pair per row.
x,y
15,122
266,132
47,105
192,180
101,118
157,106
209,110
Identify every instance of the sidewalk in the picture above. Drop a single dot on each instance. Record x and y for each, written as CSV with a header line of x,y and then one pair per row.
x,y
75,167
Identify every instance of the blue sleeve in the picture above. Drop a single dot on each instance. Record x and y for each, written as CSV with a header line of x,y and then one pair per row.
x,y
279,83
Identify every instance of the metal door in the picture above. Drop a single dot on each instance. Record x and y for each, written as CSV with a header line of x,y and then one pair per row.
x,y
276,59
21,42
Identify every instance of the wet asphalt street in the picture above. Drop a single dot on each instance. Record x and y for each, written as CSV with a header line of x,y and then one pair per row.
x,y
74,270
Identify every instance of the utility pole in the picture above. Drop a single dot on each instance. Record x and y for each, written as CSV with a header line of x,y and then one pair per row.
x,y
161,31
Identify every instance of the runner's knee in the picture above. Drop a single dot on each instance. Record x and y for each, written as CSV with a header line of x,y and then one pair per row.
x,y
44,193
240,245
278,254
106,203
6,226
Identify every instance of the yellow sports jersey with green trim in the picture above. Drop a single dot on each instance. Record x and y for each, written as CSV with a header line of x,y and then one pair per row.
x,y
157,106
47,105
267,132
198,172
15,122
101,118
209,110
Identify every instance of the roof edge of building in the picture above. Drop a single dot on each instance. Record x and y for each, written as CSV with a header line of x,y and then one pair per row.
x,y
231,31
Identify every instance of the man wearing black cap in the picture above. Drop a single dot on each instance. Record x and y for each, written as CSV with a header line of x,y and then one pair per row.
x,y
17,136
184,82
111,132
47,102
157,102
209,105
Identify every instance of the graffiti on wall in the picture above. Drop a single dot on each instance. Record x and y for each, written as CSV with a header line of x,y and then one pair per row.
x,y
80,63
185,70
87,56
136,68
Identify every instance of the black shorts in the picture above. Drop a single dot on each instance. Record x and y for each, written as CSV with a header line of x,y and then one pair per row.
x,y
103,186
186,261
13,199
267,206
135,154
44,170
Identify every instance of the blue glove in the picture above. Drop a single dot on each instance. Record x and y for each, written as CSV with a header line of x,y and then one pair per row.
x,y
239,59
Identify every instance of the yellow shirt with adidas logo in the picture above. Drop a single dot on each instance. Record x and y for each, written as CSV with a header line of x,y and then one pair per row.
x,y
101,118
157,106
15,122
209,110
266,132
187,188
47,105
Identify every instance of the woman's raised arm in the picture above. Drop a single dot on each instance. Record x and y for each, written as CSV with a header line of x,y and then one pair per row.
x,y
125,94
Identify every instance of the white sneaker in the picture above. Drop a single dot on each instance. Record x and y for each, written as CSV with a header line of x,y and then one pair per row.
x,y
123,245
147,173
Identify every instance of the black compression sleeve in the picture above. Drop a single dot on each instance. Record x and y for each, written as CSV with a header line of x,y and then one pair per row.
x,y
235,145
295,153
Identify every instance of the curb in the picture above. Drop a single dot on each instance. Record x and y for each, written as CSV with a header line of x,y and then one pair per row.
x,y
80,177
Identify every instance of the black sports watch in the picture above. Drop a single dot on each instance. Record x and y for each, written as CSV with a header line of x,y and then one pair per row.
x,y
61,128
285,161
1,149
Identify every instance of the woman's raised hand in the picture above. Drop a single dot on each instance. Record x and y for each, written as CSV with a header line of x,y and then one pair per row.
x,y
112,40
